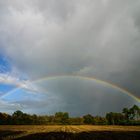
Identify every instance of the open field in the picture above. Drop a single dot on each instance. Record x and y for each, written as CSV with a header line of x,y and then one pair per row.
x,y
69,132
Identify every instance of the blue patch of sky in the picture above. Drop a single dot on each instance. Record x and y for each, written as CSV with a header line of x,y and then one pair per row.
x,y
5,65
6,87
22,95
5,68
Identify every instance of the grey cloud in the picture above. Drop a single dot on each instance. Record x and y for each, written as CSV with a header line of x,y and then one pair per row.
x,y
79,96
87,38
9,107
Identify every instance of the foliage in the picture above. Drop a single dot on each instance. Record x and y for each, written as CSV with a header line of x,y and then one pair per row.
x,y
115,118
129,116
61,117
88,119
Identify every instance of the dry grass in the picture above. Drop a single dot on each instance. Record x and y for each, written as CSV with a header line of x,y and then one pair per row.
x,y
8,132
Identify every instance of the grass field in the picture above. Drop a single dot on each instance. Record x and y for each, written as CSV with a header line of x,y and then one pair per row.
x,y
69,132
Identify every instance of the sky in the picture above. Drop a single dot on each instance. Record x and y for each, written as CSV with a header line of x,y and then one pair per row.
x,y
66,55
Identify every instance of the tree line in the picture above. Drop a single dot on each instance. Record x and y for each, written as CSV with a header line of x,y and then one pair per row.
x,y
128,116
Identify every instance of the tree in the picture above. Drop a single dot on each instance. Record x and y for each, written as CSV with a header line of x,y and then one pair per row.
x,y
76,120
100,120
18,113
61,117
20,118
132,114
88,119
5,118
115,118
129,116
109,117
126,113
135,112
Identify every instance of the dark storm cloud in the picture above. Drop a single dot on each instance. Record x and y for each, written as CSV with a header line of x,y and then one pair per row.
x,y
80,96
97,38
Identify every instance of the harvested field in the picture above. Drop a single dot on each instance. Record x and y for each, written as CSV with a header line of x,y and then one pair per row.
x,y
68,132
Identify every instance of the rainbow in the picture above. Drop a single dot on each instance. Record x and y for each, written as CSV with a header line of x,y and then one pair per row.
x,y
109,84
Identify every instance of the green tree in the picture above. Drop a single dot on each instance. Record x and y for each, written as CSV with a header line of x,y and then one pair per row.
x,y
135,112
109,117
126,113
100,120
61,117
19,117
5,118
88,119
76,120
115,118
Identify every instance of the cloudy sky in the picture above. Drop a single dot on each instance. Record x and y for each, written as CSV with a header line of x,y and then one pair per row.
x,y
68,41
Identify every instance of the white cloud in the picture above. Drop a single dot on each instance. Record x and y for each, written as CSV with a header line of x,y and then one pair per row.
x,y
18,83
90,38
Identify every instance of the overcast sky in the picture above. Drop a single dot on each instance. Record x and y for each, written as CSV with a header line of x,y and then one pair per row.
x,y
87,38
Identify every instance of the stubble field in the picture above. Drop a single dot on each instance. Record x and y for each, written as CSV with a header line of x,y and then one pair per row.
x,y
68,132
